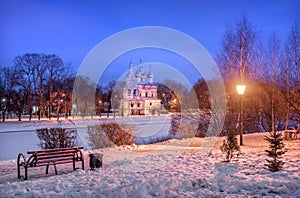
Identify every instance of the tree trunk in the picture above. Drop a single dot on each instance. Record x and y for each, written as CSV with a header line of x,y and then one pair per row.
x,y
19,116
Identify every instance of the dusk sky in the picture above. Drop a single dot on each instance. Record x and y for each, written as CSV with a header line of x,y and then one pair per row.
x,y
71,29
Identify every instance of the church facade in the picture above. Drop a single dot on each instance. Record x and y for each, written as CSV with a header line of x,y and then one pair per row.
x,y
139,95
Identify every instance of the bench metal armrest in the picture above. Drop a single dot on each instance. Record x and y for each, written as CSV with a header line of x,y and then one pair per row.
x,y
79,157
19,164
24,163
32,160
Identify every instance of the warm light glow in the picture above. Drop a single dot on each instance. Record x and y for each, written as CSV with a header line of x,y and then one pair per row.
x,y
241,89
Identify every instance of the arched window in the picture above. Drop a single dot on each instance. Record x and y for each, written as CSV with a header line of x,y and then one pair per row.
x,y
129,92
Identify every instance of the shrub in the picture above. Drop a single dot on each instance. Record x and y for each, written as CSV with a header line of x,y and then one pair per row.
x,y
182,127
110,134
276,145
187,130
56,137
175,124
97,137
203,126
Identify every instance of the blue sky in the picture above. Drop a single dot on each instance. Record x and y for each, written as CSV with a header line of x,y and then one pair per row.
x,y
71,29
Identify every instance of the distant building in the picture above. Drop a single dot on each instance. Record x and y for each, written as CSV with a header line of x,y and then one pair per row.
x,y
139,94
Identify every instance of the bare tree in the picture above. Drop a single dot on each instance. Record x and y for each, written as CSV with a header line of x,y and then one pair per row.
x,y
41,79
25,78
54,65
6,91
272,76
203,95
83,98
241,50
292,70
238,49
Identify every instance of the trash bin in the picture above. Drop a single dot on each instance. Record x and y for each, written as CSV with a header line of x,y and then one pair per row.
x,y
95,160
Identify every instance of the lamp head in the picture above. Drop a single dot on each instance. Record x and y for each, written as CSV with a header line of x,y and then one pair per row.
x,y
241,89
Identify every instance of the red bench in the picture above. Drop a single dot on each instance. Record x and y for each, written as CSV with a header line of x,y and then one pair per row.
x,y
50,157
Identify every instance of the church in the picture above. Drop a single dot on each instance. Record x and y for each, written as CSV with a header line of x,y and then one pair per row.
x,y
139,94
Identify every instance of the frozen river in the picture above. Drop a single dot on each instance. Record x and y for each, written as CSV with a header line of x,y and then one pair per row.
x,y
20,137
13,143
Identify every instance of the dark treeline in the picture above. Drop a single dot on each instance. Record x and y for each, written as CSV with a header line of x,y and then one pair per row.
x,y
37,84
40,85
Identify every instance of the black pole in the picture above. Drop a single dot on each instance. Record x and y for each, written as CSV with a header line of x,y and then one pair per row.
x,y
241,120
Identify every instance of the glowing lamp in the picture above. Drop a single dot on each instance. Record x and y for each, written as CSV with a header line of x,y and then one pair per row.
x,y
241,89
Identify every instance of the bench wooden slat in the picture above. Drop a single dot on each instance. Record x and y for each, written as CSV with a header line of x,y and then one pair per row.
x,y
39,158
54,154
55,150
51,162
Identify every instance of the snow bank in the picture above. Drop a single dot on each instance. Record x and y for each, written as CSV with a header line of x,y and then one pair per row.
x,y
151,171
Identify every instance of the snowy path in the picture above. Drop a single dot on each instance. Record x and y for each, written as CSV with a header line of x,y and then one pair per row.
x,y
186,173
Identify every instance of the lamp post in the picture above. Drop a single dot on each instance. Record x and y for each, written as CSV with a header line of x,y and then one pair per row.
x,y
100,103
115,105
241,90
61,107
4,108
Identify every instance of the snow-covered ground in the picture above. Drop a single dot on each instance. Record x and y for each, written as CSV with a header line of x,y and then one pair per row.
x,y
176,168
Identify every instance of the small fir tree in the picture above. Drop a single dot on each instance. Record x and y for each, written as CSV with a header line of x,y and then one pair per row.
x,y
230,146
276,151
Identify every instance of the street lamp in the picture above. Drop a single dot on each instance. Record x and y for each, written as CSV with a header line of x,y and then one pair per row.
x,y
115,105
100,103
4,108
241,90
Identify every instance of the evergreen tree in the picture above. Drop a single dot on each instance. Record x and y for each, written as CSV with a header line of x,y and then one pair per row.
x,y
276,146
230,146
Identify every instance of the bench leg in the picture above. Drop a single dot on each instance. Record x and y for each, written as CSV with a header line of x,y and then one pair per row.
x,y
74,167
25,173
47,168
55,169
19,171
82,161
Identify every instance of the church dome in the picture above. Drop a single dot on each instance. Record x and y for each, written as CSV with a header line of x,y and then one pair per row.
x,y
142,71
138,74
150,74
